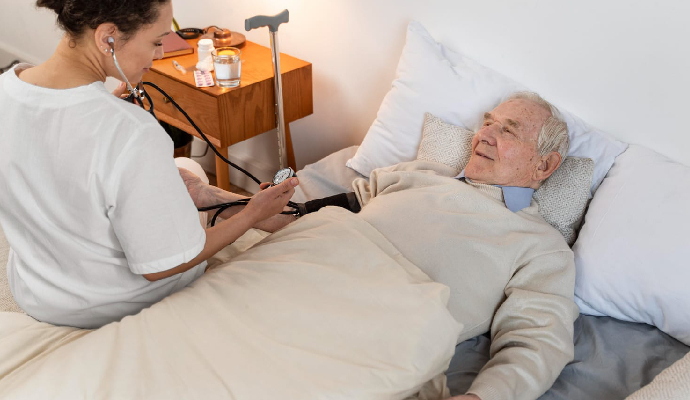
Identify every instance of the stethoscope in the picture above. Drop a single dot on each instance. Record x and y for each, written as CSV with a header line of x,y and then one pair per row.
x,y
137,94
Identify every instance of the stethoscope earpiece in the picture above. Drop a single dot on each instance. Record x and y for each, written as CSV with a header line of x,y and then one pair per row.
x,y
133,92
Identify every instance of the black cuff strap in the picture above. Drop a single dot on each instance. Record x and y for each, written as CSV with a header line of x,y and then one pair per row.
x,y
345,200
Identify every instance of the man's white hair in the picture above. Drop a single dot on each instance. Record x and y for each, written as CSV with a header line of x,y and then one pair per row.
x,y
553,135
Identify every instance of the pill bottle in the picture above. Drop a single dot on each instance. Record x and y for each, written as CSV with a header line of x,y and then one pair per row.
x,y
205,47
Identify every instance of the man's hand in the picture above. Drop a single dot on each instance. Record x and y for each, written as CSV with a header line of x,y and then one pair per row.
x,y
195,186
204,195
465,397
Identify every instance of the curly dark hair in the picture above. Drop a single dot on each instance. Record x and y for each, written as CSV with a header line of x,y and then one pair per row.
x,y
75,16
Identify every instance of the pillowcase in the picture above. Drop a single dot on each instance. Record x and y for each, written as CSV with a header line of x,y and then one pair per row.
x,y
445,143
633,250
562,198
455,88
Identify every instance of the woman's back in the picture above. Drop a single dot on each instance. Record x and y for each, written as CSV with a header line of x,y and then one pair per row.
x,y
90,199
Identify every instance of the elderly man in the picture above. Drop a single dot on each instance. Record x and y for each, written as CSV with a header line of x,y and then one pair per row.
x,y
509,271
480,234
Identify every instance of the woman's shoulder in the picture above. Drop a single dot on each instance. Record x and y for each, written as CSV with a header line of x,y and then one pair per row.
x,y
128,122
116,127
124,110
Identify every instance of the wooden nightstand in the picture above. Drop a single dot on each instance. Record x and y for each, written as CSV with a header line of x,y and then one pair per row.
x,y
229,116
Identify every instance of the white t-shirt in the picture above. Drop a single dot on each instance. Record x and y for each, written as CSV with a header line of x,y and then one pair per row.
x,y
90,199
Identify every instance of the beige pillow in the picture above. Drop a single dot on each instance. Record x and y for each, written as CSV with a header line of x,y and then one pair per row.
x,y
562,198
445,143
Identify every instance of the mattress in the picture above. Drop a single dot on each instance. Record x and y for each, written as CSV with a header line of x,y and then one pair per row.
x,y
612,358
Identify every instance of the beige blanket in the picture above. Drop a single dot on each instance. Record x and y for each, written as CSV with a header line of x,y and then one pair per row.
x,y
298,316
673,383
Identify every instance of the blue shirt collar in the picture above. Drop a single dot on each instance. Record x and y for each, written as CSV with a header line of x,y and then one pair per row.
x,y
516,198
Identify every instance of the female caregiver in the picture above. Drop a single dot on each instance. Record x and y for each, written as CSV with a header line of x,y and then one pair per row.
x,y
99,220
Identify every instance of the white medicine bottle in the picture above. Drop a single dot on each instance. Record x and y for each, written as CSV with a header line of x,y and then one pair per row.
x,y
204,49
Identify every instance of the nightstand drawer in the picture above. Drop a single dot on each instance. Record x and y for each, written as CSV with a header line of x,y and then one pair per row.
x,y
201,107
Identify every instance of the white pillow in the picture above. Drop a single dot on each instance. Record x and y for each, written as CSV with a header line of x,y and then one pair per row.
x,y
432,78
633,250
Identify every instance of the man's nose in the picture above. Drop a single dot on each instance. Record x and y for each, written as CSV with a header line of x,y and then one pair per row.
x,y
488,134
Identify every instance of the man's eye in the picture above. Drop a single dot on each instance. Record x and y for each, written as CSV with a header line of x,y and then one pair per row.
x,y
487,123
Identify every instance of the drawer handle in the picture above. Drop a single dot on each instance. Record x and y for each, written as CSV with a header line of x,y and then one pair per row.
x,y
166,100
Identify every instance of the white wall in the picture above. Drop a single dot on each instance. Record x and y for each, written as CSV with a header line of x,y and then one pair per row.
x,y
6,58
621,66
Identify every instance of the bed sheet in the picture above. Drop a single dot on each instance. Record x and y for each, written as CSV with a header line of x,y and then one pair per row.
x,y
326,177
612,358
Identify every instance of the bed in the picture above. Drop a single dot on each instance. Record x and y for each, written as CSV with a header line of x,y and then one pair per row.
x,y
613,358
268,321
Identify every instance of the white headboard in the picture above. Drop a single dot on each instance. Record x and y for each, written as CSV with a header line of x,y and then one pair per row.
x,y
622,66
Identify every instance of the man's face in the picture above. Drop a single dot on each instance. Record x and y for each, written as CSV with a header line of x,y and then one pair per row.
x,y
504,150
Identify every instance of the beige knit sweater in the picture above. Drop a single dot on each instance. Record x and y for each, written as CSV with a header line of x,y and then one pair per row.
x,y
508,272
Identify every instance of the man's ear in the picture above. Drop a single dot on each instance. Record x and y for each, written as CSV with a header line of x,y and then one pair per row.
x,y
547,166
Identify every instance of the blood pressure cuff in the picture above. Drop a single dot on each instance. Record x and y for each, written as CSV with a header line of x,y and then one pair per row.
x,y
344,200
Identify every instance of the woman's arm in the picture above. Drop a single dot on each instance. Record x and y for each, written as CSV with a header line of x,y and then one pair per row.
x,y
263,205
205,195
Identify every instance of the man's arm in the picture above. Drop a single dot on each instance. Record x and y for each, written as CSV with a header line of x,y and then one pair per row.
x,y
215,195
532,331
205,195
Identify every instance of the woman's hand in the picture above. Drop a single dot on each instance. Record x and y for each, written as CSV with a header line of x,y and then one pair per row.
x,y
270,200
120,91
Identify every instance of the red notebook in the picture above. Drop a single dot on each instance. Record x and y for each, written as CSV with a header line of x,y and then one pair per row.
x,y
174,45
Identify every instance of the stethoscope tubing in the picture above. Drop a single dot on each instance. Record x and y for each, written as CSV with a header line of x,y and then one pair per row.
x,y
138,94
